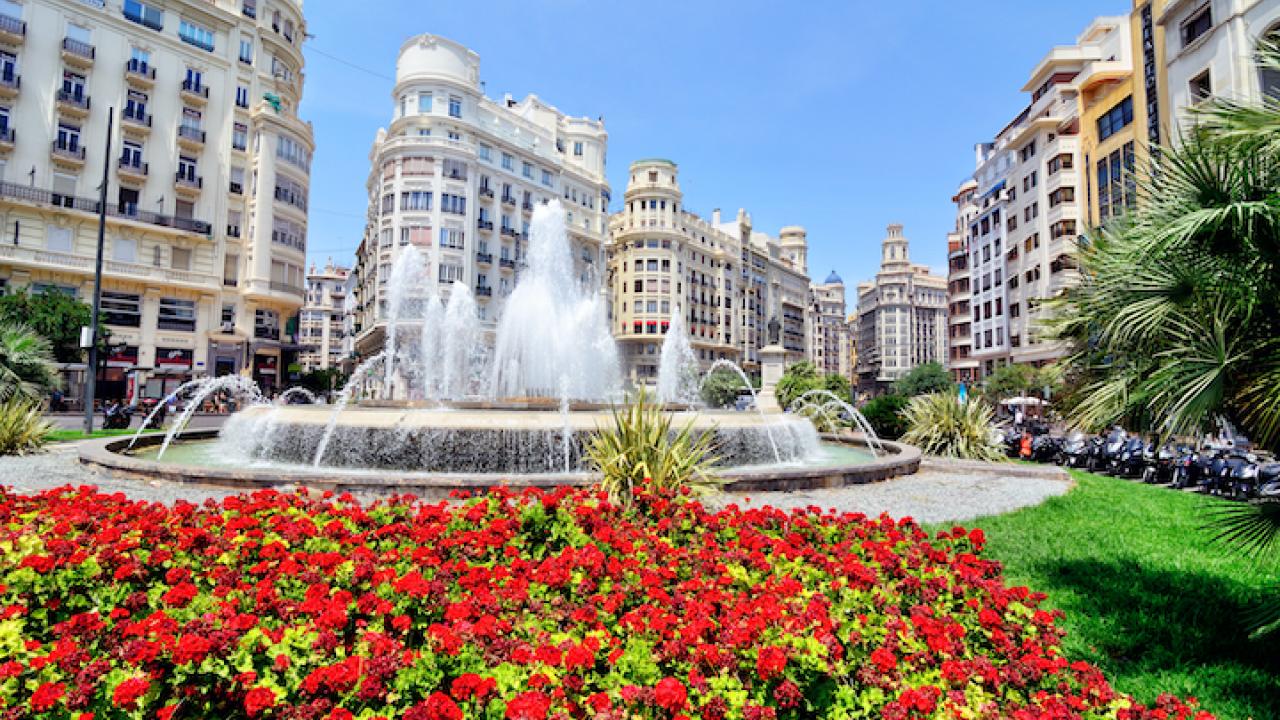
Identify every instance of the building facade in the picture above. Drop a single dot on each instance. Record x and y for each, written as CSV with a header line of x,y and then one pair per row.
x,y
829,327
960,361
207,178
1210,48
726,279
902,316
322,325
457,175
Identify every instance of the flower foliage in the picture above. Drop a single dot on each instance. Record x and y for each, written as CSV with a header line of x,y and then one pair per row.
x,y
517,607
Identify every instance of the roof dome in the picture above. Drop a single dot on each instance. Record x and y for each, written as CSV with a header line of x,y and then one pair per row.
x,y
833,279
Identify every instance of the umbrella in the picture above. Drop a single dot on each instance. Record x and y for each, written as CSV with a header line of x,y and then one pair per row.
x,y
1023,401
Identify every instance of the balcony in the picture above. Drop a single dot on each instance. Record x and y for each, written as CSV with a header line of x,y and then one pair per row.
x,y
508,200
187,183
7,138
195,93
140,74
147,18
484,224
486,192
12,30
77,53
190,137
135,120
484,291
509,232
68,154
484,258
73,103
527,207
45,198
287,288
10,83
507,263
132,170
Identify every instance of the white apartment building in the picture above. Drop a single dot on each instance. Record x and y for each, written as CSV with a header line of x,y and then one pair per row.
x,y
322,328
207,177
902,316
960,361
829,327
727,279
458,174
1211,49
986,243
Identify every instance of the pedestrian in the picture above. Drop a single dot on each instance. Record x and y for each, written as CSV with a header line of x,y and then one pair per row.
x,y
1018,418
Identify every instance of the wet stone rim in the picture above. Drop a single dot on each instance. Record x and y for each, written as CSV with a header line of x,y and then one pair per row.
x,y
108,457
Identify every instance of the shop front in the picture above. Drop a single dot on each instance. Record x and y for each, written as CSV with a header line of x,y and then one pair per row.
x,y
173,368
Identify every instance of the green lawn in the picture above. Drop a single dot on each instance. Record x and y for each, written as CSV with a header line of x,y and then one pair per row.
x,y
1147,597
73,435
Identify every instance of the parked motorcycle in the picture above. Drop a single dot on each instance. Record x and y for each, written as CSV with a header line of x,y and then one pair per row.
x,y
1074,451
1132,458
117,416
1160,463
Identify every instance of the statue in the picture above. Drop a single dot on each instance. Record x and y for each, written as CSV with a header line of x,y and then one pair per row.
x,y
775,331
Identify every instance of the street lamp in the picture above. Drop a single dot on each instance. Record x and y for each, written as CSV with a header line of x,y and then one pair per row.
x,y
91,334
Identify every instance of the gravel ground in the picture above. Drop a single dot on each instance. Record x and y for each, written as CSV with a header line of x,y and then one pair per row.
x,y
933,495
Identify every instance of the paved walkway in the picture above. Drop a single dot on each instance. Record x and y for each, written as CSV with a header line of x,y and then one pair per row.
x,y
940,492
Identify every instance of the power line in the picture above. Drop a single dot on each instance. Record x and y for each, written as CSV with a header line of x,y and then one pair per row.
x,y
348,63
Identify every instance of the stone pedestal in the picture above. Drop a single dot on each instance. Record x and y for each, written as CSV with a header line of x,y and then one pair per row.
x,y
773,360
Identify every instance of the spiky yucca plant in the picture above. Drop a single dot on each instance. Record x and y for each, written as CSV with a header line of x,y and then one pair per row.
x,y
27,369
939,424
642,447
22,427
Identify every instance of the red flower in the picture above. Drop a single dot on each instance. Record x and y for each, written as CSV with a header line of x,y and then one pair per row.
x,y
770,662
127,693
191,648
528,706
670,694
181,594
436,707
46,696
258,699
884,659
166,712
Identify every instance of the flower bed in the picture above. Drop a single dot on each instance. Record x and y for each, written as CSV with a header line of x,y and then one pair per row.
x,y
529,606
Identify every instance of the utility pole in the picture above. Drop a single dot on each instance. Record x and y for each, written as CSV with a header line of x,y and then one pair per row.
x,y
91,371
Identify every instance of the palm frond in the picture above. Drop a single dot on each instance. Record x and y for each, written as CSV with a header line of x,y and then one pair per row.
x,y
1252,528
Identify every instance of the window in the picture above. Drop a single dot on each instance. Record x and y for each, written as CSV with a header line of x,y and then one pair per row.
x,y
121,309
508,162
452,238
1197,25
198,35
454,169
1117,183
58,239
456,204
68,138
415,200
1063,228
266,324
526,169
1116,118
233,223
1028,151
180,259
419,235
1200,87
186,168
455,106
1061,162
250,8
177,315
281,70
388,203
1063,194
291,192
450,273
131,155
546,178
486,153
577,148
144,14
288,233
424,103
293,152
239,136
73,85
124,250
419,166
246,51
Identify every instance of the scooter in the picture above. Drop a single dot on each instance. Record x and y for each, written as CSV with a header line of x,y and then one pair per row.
x,y
1074,452
1046,448
117,417
1132,458
1160,464
1111,451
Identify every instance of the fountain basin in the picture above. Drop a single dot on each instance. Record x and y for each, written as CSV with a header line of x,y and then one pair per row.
x,y
112,457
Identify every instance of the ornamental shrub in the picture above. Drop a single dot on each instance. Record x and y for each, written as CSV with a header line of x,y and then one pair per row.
x,y
518,607
23,428
884,413
942,425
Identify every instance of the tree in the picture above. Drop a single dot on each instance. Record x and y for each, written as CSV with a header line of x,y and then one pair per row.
x,y
923,380
804,377
322,381
1176,321
720,389
27,370
885,415
52,314
1009,381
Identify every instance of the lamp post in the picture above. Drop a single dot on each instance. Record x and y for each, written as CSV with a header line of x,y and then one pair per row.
x,y
91,374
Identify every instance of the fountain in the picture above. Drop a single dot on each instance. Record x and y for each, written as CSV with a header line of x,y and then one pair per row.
x,y
451,403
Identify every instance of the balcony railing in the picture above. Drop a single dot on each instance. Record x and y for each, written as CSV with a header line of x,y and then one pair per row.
x,y
10,79
188,180
194,88
12,26
508,200
136,167
486,192
509,232
75,99
507,263
484,291
484,224
266,333
136,117
66,150
140,69
39,196
191,133
78,47
284,287
8,135
485,258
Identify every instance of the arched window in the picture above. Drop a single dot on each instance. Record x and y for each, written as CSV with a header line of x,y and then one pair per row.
x,y
1269,74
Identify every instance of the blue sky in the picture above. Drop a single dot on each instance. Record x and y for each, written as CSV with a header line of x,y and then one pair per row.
x,y
840,116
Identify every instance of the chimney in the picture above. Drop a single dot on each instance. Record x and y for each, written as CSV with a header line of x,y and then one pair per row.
x,y
715,216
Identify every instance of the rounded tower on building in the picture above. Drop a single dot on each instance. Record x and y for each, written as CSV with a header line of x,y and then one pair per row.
x,y
795,246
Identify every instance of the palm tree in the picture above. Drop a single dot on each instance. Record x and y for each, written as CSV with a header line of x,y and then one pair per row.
x,y
1176,322
27,369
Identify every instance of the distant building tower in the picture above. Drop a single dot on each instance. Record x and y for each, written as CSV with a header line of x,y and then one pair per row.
x,y
901,316
829,330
